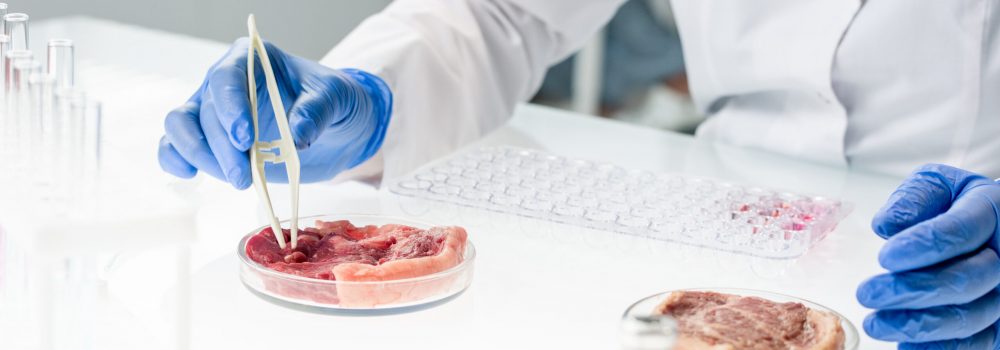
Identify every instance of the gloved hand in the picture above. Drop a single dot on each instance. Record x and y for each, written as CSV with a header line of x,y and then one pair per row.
x,y
338,119
941,253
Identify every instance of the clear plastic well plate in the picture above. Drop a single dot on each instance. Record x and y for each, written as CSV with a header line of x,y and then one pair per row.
x,y
672,207
351,295
645,307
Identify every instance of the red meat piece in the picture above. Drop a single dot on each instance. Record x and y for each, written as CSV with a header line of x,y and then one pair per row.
x,y
340,251
716,321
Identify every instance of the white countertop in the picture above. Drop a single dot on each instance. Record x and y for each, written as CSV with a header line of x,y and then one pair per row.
x,y
537,284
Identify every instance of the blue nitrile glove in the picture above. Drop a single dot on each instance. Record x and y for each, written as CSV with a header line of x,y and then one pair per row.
x,y
941,253
338,119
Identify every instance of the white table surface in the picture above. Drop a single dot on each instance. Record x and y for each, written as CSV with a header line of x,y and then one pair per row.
x,y
537,285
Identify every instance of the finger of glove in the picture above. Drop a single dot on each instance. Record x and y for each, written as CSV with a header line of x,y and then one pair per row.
x,y
172,162
312,112
926,193
987,339
227,84
349,110
957,281
185,134
936,323
235,164
966,226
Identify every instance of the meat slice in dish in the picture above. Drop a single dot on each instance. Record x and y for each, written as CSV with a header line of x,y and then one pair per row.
x,y
717,321
339,251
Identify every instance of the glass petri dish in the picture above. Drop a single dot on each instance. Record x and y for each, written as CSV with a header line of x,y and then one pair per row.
x,y
644,308
327,295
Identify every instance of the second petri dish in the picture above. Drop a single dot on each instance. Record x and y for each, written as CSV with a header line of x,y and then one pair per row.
x,y
642,328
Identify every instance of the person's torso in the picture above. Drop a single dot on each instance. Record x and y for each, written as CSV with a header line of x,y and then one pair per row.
x,y
887,85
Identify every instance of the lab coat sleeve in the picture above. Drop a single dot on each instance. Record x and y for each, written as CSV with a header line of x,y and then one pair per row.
x,y
457,68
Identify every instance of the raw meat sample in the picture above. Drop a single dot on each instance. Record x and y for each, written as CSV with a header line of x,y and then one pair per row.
x,y
716,321
339,251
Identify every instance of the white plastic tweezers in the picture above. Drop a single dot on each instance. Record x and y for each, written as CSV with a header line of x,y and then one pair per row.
x,y
263,152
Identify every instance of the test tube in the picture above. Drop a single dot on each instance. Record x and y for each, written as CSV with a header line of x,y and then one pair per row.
x,y
9,127
3,12
16,27
24,107
75,115
18,121
91,137
42,140
71,111
41,87
4,42
21,71
60,62
9,58
4,47
66,153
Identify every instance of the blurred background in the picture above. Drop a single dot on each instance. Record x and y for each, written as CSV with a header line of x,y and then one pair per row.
x,y
633,71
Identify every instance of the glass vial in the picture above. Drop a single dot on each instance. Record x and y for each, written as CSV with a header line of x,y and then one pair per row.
x,y
8,60
16,27
60,62
3,12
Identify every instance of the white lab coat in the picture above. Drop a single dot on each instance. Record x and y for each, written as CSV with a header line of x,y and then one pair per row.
x,y
884,85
